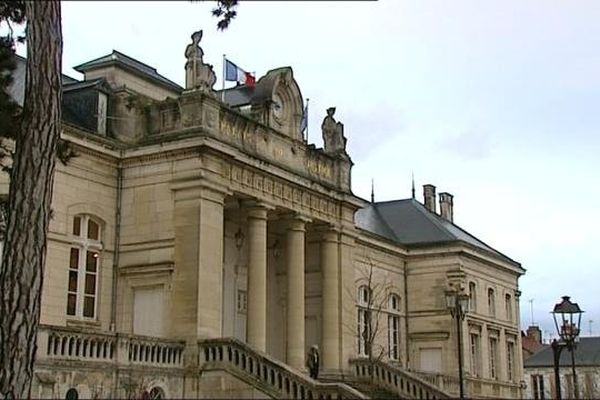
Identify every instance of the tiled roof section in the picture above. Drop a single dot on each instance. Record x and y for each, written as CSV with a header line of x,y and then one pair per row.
x,y
408,222
587,353
131,63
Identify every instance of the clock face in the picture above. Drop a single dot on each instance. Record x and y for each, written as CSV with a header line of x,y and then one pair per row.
x,y
277,106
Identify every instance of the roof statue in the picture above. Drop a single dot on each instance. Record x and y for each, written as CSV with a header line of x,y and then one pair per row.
x,y
333,134
198,75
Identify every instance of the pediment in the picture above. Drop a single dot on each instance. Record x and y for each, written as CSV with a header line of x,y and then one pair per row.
x,y
278,101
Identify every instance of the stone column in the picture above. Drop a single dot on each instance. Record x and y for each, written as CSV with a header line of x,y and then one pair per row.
x,y
330,300
295,249
256,326
346,292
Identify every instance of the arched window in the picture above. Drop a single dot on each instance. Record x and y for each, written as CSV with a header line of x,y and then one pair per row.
x,y
473,296
364,321
157,393
394,327
84,263
491,302
508,306
72,394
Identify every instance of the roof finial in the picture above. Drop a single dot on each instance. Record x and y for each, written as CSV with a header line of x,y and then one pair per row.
x,y
413,184
372,190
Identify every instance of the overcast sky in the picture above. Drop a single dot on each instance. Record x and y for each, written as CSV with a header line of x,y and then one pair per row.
x,y
495,102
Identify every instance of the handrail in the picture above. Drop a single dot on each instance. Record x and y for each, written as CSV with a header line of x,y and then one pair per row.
x,y
395,379
269,372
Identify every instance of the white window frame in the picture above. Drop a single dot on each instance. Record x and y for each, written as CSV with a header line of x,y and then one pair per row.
x,y
472,296
493,357
394,327
475,343
364,315
84,244
510,360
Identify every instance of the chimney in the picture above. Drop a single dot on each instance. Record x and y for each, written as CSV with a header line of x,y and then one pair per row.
x,y
429,197
446,206
534,333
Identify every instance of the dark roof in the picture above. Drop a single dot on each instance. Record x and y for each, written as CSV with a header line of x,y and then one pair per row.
x,y
117,57
238,96
17,87
99,83
409,223
587,353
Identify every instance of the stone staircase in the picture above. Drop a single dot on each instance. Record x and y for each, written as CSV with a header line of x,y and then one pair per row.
x,y
272,377
379,379
375,380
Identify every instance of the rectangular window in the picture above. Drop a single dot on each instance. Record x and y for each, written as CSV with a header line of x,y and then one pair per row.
x,y
394,337
84,263
537,385
475,354
363,331
472,296
510,358
242,301
493,358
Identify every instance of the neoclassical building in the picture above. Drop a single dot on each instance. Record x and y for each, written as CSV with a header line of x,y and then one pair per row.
x,y
199,246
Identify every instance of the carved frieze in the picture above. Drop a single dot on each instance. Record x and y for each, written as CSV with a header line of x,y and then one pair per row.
x,y
276,191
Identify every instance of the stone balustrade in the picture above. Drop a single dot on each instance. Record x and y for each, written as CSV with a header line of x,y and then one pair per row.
x,y
77,344
446,383
272,375
153,351
394,379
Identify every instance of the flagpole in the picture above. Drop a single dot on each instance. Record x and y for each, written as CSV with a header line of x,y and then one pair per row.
x,y
223,90
307,100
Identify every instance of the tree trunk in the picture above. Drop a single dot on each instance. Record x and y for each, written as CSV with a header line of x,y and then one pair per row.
x,y
29,200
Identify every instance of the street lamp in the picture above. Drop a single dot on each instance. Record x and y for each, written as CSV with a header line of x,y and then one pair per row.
x,y
458,303
567,319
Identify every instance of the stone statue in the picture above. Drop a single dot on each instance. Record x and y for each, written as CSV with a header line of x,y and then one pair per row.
x,y
198,75
333,134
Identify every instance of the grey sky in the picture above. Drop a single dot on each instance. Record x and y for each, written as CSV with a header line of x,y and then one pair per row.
x,y
495,102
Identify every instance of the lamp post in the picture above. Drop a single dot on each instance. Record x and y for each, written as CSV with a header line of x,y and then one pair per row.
x,y
567,319
458,303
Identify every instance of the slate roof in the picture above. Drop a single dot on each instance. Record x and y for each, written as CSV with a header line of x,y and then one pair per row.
x,y
16,90
587,353
409,223
237,96
130,63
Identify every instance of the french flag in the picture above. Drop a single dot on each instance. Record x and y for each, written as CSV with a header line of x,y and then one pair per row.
x,y
236,74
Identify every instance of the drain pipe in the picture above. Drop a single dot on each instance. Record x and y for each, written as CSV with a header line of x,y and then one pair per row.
x,y
113,311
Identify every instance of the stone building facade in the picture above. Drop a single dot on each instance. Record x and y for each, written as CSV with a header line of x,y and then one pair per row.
x,y
540,377
199,246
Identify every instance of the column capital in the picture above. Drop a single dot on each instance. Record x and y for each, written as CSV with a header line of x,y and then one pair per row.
x,y
257,208
295,220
